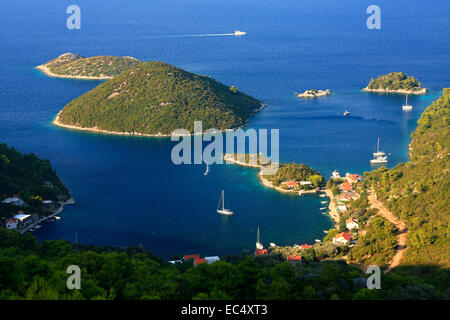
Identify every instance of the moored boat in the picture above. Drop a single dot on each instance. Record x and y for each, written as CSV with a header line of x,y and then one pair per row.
x,y
378,153
406,106
379,160
259,246
221,208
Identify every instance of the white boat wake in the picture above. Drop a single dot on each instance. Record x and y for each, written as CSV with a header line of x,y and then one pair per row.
x,y
235,33
203,35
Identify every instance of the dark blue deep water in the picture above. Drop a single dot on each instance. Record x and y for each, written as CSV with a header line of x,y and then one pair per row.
x,y
128,191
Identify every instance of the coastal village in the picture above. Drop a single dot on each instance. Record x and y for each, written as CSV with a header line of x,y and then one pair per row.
x,y
23,218
341,191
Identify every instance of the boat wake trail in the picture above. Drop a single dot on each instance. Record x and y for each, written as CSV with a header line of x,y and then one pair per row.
x,y
202,35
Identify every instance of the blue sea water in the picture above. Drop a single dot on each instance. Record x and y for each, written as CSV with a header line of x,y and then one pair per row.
x,y
128,191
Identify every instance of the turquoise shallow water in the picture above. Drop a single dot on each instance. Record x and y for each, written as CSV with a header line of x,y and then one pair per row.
x,y
128,191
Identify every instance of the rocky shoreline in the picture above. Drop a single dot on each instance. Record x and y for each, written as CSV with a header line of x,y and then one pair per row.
x,y
58,123
47,72
60,209
398,91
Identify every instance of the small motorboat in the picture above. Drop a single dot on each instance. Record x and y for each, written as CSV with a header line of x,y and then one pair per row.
x,y
239,33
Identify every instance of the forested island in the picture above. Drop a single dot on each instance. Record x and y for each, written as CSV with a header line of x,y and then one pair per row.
x,y
395,82
156,98
70,65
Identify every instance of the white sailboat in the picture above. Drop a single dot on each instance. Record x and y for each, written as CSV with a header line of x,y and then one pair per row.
x,y
258,244
379,157
221,207
406,106
378,153
379,160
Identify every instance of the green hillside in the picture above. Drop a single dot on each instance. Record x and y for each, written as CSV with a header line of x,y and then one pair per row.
x,y
156,98
70,64
30,177
418,191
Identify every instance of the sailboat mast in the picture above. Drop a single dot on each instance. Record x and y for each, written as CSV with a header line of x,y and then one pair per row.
x,y
257,237
378,145
223,200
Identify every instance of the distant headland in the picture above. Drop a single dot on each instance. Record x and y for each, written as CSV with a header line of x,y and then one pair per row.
x,y
395,82
74,66
154,99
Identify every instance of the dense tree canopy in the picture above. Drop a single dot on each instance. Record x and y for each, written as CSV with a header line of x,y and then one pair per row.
x,y
296,172
156,97
395,81
32,270
28,176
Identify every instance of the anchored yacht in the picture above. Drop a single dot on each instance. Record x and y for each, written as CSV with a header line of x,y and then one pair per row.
x,y
406,106
379,160
378,153
259,246
221,207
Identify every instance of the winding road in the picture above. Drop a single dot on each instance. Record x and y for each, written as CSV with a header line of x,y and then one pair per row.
x,y
401,226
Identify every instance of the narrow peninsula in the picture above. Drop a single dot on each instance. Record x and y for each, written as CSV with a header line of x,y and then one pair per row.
x,y
156,98
74,66
289,178
395,82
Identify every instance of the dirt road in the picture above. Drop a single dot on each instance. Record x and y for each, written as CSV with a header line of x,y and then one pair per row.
x,y
403,231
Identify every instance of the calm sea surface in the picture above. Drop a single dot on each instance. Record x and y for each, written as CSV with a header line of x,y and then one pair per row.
x,y
128,191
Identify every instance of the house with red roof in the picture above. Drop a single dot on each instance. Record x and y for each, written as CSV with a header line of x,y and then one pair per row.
x,y
261,252
294,259
11,223
345,197
306,246
291,184
345,186
342,238
353,178
191,256
199,261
